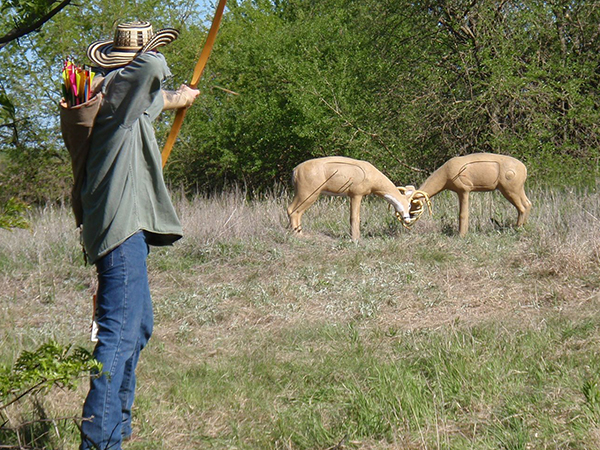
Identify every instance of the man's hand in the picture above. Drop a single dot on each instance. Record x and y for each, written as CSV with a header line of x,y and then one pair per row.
x,y
181,98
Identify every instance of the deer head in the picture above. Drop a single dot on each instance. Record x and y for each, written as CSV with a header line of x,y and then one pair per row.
x,y
417,201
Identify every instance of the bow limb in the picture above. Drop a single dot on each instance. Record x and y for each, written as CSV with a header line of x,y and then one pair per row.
x,y
210,42
177,122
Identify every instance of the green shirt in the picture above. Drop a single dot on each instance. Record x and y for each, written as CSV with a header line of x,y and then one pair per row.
x,y
124,190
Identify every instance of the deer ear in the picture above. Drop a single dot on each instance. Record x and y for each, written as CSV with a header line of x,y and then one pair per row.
x,y
406,190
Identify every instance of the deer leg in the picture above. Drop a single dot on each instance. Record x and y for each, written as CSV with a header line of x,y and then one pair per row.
x,y
527,203
463,213
521,202
295,210
355,217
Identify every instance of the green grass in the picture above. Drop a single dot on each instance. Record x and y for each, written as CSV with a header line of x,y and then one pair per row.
x,y
483,387
409,339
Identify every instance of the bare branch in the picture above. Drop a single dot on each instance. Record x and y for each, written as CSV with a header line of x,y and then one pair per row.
x,y
373,136
23,30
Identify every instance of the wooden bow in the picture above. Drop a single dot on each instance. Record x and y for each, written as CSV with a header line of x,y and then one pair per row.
x,y
210,41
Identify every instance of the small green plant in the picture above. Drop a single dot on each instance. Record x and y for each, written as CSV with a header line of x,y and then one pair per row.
x,y
11,214
51,365
591,393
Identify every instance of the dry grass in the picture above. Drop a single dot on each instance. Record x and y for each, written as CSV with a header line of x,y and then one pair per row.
x,y
239,285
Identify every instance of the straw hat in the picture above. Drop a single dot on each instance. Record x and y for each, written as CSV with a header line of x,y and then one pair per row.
x,y
131,39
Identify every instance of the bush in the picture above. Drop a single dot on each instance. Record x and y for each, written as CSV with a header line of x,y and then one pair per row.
x,y
51,365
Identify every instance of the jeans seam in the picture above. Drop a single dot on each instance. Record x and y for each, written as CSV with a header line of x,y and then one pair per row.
x,y
119,346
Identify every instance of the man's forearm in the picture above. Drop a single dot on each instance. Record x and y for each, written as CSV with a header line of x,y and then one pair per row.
x,y
181,98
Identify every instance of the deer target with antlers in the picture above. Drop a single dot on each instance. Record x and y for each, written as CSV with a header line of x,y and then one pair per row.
x,y
342,176
479,172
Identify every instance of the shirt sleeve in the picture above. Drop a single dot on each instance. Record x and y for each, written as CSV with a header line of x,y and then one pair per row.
x,y
136,87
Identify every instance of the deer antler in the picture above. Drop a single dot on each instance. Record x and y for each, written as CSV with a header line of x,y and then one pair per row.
x,y
417,201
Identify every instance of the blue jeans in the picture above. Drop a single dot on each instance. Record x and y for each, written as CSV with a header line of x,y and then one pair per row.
x,y
125,320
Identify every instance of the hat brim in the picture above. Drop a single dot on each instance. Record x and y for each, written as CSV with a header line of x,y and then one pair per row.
x,y
104,55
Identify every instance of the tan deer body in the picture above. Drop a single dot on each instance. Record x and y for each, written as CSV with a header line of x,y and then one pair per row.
x,y
481,172
338,175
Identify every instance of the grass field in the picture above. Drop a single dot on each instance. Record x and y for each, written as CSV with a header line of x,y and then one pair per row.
x,y
410,339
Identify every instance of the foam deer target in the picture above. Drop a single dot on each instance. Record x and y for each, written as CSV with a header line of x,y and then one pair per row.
x,y
342,176
478,172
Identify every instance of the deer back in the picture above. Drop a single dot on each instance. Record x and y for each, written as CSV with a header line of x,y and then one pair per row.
x,y
481,172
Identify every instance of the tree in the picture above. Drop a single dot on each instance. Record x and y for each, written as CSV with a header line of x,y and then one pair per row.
x,y
514,77
406,86
27,16
313,79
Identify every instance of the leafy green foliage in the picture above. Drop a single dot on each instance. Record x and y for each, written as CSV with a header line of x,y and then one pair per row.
x,y
405,85
22,10
50,365
11,214
7,118
23,15
33,375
